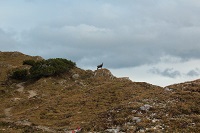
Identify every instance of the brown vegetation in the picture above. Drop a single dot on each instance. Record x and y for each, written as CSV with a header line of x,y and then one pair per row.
x,y
96,101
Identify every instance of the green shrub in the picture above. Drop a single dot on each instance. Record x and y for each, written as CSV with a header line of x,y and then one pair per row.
x,y
51,67
43,68
20,74
29,62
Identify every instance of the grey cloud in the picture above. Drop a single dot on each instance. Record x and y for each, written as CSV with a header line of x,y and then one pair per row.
x,y
168,72
7,41
121,34
88,42
193,73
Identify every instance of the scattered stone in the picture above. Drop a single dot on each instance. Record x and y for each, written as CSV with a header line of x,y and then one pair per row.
x,y
75,76
62,82
141,131
20,87
81,83
153,114
124,79
146,107
24,123
167,89
113,130
134,111
32,93
136,119
158,127
155,120
7,112
46,129
192,124
132,128
16,99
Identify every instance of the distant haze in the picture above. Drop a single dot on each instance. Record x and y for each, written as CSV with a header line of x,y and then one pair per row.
x,y
155,41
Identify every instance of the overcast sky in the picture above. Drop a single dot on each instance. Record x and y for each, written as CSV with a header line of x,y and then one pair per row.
x,y
155,41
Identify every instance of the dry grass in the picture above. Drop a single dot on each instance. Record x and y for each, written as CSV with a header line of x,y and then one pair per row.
x,y
97,101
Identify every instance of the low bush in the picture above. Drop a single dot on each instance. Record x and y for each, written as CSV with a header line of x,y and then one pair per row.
x,y
44,68
20,74
51,67
29,62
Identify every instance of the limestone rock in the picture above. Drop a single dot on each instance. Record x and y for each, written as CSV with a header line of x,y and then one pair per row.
x,y
75,76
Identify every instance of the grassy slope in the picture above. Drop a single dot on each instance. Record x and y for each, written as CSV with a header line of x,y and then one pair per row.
x,y
11,60
96,101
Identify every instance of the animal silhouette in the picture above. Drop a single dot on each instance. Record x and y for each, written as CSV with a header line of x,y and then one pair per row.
x,y
100,66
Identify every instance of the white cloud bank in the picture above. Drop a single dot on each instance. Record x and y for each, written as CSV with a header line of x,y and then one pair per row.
x,y
163,73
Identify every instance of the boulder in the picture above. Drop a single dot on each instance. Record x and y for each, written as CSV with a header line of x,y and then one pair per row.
x,y
75,76
146,107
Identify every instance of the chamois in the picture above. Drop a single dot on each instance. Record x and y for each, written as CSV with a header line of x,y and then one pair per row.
x,y
100,66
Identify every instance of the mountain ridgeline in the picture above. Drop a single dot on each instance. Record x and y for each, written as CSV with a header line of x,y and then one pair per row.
x,y
54,95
